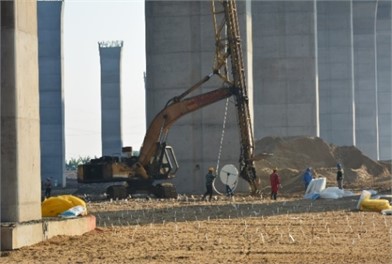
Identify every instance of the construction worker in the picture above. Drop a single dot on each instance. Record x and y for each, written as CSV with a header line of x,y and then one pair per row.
x,y
210,177
275,184
307,177
48,187
339,176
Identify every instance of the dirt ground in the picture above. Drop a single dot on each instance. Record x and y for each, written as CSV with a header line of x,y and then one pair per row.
x,y
244,230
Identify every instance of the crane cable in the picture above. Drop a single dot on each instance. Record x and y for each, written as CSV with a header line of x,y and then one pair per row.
x,y
221,144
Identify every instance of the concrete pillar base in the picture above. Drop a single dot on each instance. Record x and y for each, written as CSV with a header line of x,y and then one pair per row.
x,y
17,235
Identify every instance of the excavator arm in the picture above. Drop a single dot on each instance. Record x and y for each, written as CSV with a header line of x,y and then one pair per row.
x,y
155,139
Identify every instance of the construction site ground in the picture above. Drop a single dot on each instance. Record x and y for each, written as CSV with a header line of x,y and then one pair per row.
x,y
241,230
248,229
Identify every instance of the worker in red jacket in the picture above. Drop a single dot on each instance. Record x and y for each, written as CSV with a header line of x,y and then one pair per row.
x,y
275,184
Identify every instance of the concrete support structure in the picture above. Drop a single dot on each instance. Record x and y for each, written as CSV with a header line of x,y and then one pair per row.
x,y
51,94
180,47
364,77
383,39
110,58
20,147
285,68
351,43
335,69
21,221
14,236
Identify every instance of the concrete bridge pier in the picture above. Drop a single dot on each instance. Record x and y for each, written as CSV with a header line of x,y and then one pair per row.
x,y
21,221
20,147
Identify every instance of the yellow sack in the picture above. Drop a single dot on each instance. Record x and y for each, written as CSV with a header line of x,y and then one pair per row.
x,y
74,200
374,205
53,206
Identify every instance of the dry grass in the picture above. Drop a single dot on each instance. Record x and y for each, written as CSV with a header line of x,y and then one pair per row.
x,y
247,230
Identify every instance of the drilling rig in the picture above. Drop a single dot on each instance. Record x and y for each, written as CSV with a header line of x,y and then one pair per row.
x,y
228,45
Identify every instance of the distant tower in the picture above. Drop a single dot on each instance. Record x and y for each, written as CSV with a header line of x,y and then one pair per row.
x,y
51,90
110,57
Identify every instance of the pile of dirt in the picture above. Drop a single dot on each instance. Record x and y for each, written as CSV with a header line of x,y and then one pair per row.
x,y
292,155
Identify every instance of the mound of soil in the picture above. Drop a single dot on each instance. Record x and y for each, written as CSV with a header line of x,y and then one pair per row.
x,y
292,155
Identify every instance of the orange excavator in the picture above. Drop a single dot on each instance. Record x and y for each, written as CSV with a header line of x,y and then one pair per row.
x,y
156,161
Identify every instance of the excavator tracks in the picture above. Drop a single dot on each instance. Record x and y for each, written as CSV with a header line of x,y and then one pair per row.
x,y
165,190
162,190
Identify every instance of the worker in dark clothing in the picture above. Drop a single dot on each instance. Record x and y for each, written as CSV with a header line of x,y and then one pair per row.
x,y
48,187
210,177
229,191
339,176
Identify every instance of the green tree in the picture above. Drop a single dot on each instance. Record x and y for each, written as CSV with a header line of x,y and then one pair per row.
x,y
72,163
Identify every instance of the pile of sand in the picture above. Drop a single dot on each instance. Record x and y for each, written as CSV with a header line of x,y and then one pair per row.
x,y
292,155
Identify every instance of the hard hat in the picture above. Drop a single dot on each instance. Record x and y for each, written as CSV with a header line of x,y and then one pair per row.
x,y
338,165
211,169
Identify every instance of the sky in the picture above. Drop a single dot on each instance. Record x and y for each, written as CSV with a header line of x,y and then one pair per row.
x,y
85,23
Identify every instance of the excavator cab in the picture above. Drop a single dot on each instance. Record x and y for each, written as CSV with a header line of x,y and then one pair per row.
x,y
164,165
169,163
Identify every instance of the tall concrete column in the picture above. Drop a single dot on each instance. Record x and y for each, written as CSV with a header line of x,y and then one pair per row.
x,y
285,68
110,57
20,144
180,47
365,77
51,91
335,72
384,77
